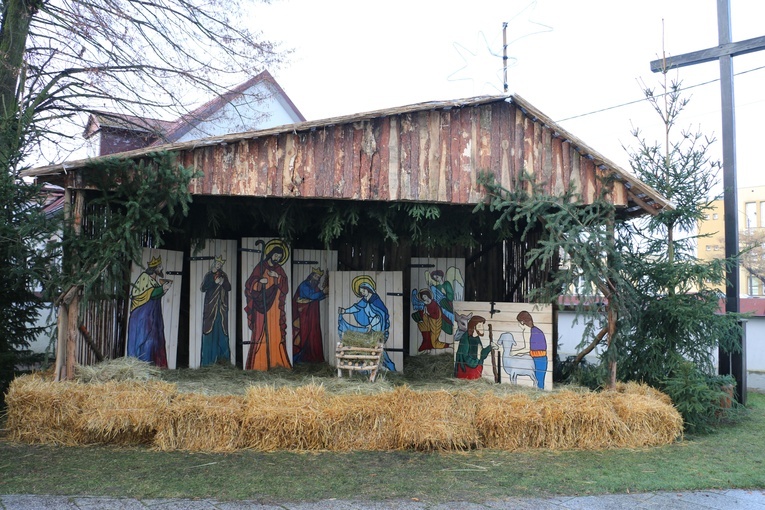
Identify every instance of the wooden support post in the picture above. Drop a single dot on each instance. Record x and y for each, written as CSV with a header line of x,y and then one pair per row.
x,y
73,308
71,336
612,315
61,329
63,313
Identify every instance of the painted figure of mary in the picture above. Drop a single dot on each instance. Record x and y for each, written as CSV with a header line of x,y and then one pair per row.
x,y
369,313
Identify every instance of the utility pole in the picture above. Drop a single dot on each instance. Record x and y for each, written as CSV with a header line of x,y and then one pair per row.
x,y
729,363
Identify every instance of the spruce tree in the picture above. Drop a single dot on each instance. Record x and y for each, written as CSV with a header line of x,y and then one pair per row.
x,y
659,318
28,250
677,324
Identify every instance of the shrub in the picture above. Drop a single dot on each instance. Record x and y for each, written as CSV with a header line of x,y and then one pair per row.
x,y
699,397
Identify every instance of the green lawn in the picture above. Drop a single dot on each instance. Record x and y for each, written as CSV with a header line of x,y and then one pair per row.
x,y
730,458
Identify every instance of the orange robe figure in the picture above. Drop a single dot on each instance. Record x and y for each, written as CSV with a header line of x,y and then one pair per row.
x,y
266,290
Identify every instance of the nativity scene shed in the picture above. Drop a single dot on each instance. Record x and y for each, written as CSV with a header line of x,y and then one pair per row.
x,y
381,198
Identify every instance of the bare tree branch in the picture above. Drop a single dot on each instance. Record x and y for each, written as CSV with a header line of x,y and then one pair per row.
x,y
144,58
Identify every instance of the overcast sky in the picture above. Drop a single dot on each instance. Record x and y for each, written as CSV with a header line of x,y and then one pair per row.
x,y
576,61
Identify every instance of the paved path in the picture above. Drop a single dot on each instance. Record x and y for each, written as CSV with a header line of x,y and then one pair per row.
x,y
697,500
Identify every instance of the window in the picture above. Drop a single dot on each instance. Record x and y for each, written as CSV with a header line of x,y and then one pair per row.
x,y
709,247
581,286
715,216
750,211
754,286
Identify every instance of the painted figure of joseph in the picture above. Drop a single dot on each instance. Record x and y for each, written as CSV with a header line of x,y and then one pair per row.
x,y
266,292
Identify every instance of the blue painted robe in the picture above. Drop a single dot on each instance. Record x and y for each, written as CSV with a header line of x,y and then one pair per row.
x,y
146,326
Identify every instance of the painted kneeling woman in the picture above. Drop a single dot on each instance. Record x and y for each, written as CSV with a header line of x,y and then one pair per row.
x,y
369,314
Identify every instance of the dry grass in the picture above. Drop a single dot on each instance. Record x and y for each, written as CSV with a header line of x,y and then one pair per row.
x,y
220,409
120,369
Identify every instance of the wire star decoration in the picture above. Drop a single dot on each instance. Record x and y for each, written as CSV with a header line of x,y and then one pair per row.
x,y
484,66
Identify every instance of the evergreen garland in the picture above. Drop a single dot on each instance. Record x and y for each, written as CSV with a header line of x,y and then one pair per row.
x,y
137,201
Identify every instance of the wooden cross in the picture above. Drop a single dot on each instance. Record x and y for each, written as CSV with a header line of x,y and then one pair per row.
x,y
729,363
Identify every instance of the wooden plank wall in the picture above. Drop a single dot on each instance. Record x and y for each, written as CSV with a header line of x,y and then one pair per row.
x,y
511,358
172,262
303,262
104,317
389,287
199,266
453,270
428,155
251,257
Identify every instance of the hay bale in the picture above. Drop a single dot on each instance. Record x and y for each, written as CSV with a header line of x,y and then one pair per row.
x,y
125,412
650,421
42,411
359,422
510,422
359,339
580,421
574,420
202,423
284,418
119,369
350,417
434,420
636,388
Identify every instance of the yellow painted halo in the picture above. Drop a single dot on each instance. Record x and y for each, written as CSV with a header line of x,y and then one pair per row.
x,y
356,283
273,243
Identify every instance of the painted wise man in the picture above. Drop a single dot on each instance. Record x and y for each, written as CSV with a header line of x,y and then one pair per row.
x,y
307,344
146,326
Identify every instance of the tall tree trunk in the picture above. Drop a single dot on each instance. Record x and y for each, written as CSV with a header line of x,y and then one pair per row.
x,y
17,18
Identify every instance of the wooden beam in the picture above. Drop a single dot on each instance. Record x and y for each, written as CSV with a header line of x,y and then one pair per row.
x,y
732,49
650,210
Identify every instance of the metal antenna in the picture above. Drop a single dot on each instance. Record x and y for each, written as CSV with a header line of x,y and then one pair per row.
x,y
504,54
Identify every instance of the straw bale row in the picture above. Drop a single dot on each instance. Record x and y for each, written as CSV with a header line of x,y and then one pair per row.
x,y
307,417
569,420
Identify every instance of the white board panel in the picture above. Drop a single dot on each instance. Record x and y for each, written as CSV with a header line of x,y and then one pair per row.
x,y
212,304
349,303
522,351
155,293
435,284
267,302
310,309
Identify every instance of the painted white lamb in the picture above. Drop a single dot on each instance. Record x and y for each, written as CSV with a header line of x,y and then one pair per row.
x,y
515,365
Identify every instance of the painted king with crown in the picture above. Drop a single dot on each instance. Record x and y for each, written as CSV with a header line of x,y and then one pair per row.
x,y
146,326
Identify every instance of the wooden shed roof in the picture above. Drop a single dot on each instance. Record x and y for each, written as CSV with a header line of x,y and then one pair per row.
x,y
427,152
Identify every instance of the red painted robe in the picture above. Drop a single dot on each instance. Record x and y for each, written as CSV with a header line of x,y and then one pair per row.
x,y
266,317
307,342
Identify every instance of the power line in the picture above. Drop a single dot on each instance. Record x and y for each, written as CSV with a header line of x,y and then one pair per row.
x,y
645,99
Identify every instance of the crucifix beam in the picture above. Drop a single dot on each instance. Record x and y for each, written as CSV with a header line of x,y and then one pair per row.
x,y
710,54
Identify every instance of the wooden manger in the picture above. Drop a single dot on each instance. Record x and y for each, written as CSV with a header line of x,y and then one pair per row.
x,y
360,352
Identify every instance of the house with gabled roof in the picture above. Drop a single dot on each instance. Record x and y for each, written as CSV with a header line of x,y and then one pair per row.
x,y
258,103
